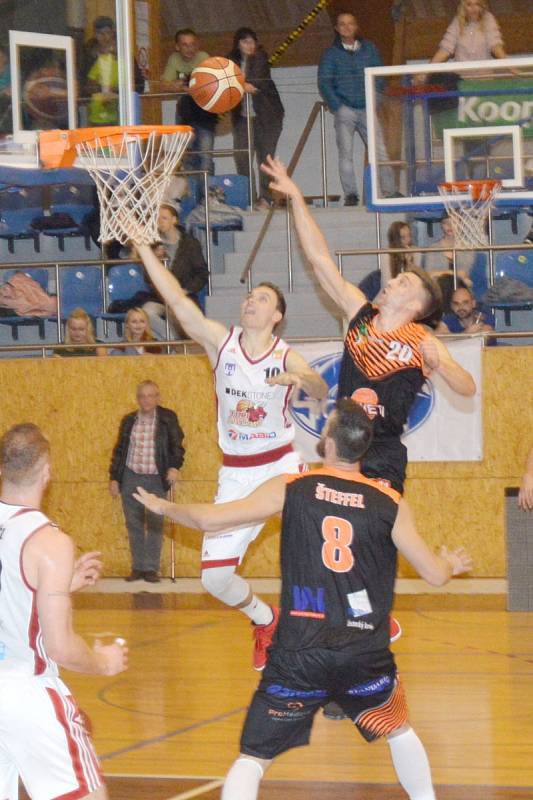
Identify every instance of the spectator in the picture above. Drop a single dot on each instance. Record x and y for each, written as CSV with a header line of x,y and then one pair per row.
x,y
45,96
465,317
137,331
443,261
6,124
100,74
398,235
176,79
473,35
148,453
266,109
525,496
341,82
187,264
79,331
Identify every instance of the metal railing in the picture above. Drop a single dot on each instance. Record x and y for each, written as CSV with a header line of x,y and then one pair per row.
x,y
319,108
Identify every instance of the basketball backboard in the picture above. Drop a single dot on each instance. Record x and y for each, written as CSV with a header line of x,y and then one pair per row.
x,y
453,121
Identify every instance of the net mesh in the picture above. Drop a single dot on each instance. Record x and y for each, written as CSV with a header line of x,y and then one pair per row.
x,y
131,176
467,205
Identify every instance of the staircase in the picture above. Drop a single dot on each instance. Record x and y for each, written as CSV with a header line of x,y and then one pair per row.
x,y
310,312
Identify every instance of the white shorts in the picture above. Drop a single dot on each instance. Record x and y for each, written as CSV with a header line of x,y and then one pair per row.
x,y
43,740
229,548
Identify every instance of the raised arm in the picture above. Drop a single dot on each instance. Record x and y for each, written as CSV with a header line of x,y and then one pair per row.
x,y
300,375
267,500
347,296
437,359
206,332
435,569
49,566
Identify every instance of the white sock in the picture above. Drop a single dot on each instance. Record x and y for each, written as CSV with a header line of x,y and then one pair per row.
x,y
242,781
411,765
259,612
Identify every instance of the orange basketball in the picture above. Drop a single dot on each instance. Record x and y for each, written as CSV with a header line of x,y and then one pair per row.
x,y
217,85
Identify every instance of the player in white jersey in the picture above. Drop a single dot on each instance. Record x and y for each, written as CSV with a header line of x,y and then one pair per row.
x,y
43,739
255,373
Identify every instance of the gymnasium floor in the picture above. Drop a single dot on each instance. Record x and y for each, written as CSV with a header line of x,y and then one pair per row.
x,y
169,727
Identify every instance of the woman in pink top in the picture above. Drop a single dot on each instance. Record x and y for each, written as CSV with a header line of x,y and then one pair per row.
x,y
473,35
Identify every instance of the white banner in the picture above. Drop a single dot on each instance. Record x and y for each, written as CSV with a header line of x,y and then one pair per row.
x,y
442,425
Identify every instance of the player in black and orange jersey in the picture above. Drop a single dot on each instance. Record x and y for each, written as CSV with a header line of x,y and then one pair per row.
x,y
387,352
341,532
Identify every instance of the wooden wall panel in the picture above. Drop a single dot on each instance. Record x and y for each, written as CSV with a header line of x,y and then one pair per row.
x,y
79,404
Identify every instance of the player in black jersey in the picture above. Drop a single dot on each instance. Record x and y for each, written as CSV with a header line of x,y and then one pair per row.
x,y
387,353
341,532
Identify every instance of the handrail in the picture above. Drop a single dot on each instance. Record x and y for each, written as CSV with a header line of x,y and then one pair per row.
x,y
190,347
302,141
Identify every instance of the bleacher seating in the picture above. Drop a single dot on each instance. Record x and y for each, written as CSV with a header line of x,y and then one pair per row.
x,y
39,274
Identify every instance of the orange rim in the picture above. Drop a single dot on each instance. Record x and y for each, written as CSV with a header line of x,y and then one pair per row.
x,y
57,148
479,190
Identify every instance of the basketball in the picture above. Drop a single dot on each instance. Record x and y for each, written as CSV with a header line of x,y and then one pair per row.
x,y
217,85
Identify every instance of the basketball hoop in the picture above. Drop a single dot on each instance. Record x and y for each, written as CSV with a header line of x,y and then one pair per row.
x,y
467,204
131,167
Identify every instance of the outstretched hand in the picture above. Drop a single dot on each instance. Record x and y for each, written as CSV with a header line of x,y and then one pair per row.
x,y
285,379
151,501
459,560
277,171
87,570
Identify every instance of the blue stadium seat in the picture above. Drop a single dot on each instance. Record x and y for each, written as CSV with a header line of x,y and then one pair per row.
x,y
19,206
123,282
236,193
517,265
39,274
81,286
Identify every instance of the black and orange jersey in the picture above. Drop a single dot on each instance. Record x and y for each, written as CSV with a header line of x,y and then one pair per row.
x,y
383,371
338,561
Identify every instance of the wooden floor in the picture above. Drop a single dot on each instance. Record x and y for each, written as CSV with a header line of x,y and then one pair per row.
x,y
169,728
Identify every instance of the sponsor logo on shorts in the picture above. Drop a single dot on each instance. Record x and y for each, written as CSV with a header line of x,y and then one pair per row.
x,y
359,623
289,715
370,687
284,691
308,602
358,604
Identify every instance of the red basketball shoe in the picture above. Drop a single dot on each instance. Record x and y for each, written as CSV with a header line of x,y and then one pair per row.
x,y
263,639
395,629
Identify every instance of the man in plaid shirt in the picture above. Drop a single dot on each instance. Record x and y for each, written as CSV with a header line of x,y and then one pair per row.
x,y
148,453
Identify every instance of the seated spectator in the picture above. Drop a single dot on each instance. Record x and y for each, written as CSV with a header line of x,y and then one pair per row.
x,y
137,331
465,316
443,262
79,330
398,235
184,254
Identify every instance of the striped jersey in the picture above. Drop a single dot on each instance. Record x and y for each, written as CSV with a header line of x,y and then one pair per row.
x,y
382,370
21,644
338,561
253,417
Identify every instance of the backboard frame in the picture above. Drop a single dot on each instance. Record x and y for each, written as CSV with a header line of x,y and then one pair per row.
x,y
450,134
474,69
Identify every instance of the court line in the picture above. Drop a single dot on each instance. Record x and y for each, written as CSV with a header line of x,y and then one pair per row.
x,y
207,787
171,734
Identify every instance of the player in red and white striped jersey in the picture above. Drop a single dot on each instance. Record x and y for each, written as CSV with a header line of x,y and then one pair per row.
x,y
43,739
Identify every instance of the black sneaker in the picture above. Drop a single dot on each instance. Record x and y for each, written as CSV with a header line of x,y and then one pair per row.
x,y
333,711
529,237
135,575
152,577
351,200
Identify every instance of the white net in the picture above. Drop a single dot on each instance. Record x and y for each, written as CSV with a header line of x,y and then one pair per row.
x,y
467,205
131,173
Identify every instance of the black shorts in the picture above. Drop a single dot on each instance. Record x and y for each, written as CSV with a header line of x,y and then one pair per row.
x,y
295,685
386,459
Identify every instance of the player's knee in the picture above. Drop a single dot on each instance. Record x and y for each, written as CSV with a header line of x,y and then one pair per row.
x,y
216,580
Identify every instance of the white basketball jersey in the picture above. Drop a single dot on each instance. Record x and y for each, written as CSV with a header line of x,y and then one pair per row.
x,y
21,644
253,417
